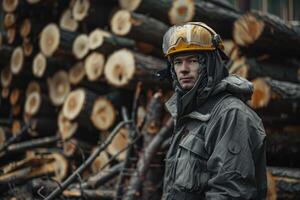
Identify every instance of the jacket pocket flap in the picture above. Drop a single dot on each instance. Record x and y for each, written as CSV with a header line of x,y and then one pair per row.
x,y
195,145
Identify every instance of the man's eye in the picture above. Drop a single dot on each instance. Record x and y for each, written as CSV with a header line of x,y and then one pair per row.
x,y
194,61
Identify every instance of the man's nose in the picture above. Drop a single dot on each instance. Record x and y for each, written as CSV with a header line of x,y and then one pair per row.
x,y
184,67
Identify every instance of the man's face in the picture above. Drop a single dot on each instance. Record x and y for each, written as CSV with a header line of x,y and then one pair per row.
x,y
187,69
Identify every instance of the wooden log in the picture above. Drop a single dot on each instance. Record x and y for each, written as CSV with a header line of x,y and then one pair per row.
x,y
283,148
77,73
6,77
4,135
41,127
94,64
34,86
67,129
67,22
59,87
38,104
80,9
100,163
76,149
9,20
52,39
265,33
17,61
91,194
120,142
138,27
9,5
124,65
272,190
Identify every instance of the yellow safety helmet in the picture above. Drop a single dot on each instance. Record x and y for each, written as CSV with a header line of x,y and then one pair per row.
x,y
192,36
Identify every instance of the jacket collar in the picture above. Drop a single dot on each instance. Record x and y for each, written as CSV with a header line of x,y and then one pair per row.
x,y
172,109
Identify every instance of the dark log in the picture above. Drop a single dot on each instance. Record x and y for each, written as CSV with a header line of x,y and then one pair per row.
x,y
41,127
262,33
145,160
124,65
138,27
283,149
91,158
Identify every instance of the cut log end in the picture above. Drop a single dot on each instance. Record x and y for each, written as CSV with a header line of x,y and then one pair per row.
x,y
11,35
103,114
73,104
16,127
33,103
9,20
39,65
25,28
61,167
96,38
261,95
6,77
181,11
76,73
59,87
67,22
69,147
119,68
49,40
94,65
119,142
239,67
15,96
129,5
17,60
27,47
33,86
80,9
9,5
66,128
2,137
81,46
121,22
5,93
247,30
99,163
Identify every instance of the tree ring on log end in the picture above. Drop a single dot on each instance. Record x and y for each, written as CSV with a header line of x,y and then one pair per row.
x,y
33,103
15,96
33,86
74,104
120,67
39,65
81,46
49,40
99,162
96,38
9,5
67,22
247,29
59,87
9,19
61,167
103,114
261,94
181,11
76,73
94,64
119,142
121,22
80,9
17,60
25,28
66,128
11,35
6,77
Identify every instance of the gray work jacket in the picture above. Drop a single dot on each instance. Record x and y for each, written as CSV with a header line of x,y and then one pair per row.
x,y
216,153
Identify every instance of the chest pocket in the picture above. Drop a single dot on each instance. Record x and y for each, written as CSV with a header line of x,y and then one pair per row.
x,y
191,171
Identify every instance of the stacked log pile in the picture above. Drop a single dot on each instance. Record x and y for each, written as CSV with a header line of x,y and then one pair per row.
x,y
81,111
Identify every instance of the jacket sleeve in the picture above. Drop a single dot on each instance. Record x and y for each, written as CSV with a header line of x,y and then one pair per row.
x,y
237,162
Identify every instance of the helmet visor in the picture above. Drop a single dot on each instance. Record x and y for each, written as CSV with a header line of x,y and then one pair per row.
x,y
190,34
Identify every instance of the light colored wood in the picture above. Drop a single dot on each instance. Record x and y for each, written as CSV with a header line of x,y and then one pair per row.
x,y
96,38
27,47
80,9
66,128
272,190
59,87
25,28
11,34
10,5
16,127
15,96
39,65
81,46
103,114
6,77
119,142
261,94
49,40
99,163
33,86
247,29
67,22
9,20
119,68
77,73
17,60
33,103
73,104
94,64
121,22
181,11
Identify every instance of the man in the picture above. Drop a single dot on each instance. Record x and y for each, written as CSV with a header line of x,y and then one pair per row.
x,y
217,150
